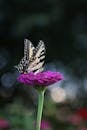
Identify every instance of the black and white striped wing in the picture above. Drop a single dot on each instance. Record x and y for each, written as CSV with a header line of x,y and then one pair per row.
x,y
37,64
28,54
33,59
29,50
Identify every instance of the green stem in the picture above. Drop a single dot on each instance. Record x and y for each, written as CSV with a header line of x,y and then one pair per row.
x,y
40,109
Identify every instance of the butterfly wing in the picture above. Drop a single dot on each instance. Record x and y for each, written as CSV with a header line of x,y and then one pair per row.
x,y
33,59
21,66
28,49
37,64
28,54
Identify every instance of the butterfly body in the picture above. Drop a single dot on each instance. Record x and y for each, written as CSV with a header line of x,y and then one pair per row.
x,y
33,59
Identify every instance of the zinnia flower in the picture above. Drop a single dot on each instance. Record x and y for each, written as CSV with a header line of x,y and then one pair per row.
x,y
40,79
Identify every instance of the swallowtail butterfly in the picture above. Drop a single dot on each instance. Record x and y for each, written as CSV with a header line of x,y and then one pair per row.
x,y
33,59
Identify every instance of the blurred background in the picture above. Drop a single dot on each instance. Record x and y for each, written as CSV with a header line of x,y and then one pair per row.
x,y
62,25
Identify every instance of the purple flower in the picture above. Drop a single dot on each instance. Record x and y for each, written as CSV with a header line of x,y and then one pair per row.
x,y
4,124
40,79
45,125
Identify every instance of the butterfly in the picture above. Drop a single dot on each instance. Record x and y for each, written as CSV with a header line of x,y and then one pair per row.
x,y
33,59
